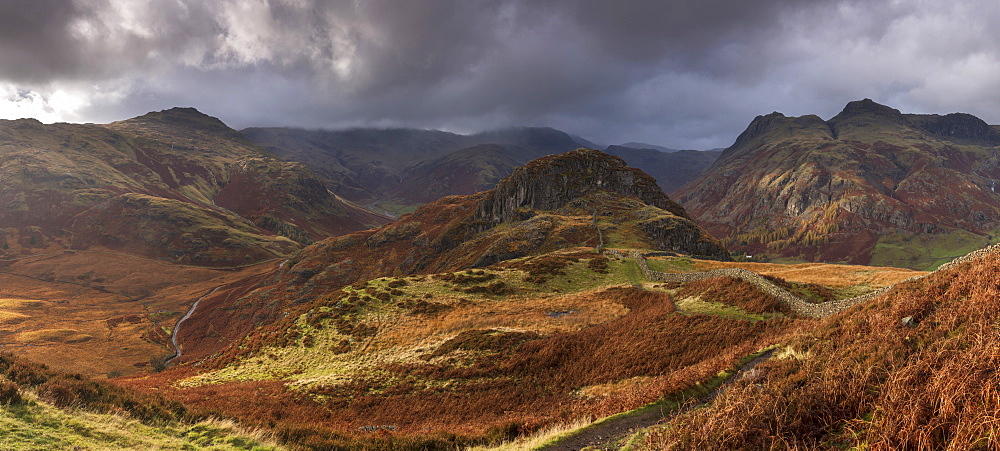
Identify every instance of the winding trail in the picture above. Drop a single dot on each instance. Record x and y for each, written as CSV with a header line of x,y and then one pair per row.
x,y
604,435
177,326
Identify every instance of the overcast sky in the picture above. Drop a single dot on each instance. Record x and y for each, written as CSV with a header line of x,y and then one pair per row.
x,y
680,73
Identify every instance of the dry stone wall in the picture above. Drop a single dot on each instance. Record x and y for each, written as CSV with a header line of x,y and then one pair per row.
x,y
796,304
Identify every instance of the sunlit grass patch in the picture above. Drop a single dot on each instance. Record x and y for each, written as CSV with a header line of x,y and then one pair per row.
x,y
37,425
12,317
54,335
694,305
17,304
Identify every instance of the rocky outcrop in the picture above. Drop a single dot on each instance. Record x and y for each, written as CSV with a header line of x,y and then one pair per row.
x,y
582,198
551,182
672,233
962,127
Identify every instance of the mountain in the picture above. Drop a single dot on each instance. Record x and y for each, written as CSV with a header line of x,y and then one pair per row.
x,y
871,185
175,184
450,309
481,318
395,170
671,170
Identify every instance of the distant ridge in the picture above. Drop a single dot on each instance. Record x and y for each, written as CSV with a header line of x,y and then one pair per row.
x,y
639,145
396,170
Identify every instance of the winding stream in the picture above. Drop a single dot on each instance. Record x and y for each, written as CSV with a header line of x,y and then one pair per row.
x,y
177,326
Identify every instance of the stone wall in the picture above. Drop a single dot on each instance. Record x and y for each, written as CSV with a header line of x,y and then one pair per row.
x,y
796,304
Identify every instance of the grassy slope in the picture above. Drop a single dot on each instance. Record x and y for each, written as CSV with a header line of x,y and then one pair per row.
x,y
927,251
45,409
39,425
862,380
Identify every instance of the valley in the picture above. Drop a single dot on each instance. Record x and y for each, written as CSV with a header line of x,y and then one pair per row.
x,y
249,301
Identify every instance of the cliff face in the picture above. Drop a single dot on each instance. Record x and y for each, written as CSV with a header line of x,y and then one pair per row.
x,y
871,185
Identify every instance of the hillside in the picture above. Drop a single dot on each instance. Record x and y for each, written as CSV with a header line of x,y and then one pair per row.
x,y
45,409
479,353
870,185
463,348
483,355
175,184
914,369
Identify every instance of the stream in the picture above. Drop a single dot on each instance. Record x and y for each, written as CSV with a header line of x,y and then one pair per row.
x,y
177,326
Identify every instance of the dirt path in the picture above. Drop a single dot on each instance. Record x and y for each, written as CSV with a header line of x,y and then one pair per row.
x,y
603,435
177,326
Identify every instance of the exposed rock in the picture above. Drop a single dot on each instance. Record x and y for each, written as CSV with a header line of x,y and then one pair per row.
x,y
957,126
550,182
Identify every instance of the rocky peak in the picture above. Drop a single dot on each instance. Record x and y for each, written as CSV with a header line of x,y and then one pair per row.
x,y
183,117
866,111
759,126
867,107
776,127
550,182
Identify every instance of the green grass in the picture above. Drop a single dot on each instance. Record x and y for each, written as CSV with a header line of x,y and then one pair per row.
x,y
693,306
37,425
926,252
671,264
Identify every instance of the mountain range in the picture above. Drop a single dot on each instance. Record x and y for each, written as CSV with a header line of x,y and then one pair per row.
x,y
419,289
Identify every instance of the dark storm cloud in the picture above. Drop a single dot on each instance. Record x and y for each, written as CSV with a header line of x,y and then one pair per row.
x,y
33,38
679,73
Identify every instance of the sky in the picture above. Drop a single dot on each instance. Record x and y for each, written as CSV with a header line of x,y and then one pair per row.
x,y
680,73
